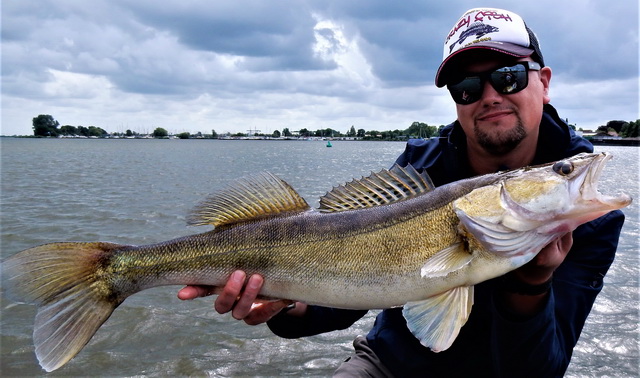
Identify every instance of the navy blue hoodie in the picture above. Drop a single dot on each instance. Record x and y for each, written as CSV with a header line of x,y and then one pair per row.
x,y
493,342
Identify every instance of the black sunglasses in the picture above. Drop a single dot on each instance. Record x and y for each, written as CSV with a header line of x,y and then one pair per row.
x,y
505,80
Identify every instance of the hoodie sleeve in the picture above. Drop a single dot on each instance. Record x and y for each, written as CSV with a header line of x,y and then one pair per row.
x,y
542,345
317,320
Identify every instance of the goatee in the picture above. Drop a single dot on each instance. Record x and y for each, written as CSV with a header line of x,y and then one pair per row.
x,y
500,144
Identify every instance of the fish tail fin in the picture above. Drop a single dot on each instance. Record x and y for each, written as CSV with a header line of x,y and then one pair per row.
x,y
68,283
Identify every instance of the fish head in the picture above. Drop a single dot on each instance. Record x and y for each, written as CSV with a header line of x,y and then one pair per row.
x,y
534,205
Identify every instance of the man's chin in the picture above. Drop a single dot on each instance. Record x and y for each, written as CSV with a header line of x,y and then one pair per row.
x,y
499,139
499,149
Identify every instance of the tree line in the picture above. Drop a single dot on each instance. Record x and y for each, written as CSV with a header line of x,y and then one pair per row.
x,y
620,128
44,125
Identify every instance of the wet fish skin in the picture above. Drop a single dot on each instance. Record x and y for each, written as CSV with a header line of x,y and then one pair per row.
x,y
383,241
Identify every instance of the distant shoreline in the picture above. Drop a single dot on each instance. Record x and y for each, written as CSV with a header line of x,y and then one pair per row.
x,y
630,142
634,142
296,139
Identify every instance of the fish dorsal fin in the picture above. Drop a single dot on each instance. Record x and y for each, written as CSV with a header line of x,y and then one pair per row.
x,y
380,188
248,199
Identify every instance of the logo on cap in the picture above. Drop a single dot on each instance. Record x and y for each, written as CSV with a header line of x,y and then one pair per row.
x,y
477,28
505,27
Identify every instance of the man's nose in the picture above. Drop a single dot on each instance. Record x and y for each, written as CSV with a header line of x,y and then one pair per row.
x,y
489,95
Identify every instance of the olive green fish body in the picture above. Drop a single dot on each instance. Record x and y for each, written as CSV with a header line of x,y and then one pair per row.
x,y
375,258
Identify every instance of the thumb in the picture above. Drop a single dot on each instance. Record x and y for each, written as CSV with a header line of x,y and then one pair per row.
x,y
263,311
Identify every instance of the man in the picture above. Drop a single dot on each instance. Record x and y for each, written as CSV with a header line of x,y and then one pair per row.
x,y
525,323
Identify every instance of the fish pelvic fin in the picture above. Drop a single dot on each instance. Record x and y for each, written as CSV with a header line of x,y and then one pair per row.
x,y
436,321
66,282
248,199
386,186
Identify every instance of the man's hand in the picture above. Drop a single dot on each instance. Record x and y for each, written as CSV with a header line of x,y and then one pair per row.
x,y
541,268
536,272
240,296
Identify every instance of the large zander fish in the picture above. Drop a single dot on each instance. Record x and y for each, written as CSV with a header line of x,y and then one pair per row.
x,y
387,240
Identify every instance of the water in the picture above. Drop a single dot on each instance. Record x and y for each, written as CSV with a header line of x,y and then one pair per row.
x,y
139,191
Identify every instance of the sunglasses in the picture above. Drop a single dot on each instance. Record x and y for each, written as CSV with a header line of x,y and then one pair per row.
x,y
505,80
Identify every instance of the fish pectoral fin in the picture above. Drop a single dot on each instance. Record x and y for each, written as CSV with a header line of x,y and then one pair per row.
x,y
248,199
436,321
446,261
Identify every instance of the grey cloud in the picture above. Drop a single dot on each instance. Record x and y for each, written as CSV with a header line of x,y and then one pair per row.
x,y
280,32
401,52
410,10
587,40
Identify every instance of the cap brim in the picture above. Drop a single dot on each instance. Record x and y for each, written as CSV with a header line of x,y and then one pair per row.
x,y
510,49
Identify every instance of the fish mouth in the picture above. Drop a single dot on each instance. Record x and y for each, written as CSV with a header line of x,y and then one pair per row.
x,y
582,202
585,187
591,203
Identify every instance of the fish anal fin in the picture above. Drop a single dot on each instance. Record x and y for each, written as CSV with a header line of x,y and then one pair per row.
x,y
446,261
380,188
436,321
248,199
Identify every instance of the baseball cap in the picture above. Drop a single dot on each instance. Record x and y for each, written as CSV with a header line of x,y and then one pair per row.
x,y
489,29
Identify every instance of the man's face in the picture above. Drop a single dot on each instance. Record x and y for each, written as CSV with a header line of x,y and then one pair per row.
x,y
498,123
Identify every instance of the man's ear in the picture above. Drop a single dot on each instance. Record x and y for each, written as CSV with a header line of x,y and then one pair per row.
x,y
545,78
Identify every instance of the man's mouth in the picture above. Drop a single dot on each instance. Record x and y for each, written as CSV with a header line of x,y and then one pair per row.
x,y
494,116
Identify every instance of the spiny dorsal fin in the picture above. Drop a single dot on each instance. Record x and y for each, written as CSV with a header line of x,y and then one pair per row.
x,y
380,188
248,199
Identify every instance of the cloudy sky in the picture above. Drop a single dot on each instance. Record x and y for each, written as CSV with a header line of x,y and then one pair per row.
x,y
234,65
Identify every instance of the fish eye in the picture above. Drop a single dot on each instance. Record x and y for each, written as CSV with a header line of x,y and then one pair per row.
x,y
563,167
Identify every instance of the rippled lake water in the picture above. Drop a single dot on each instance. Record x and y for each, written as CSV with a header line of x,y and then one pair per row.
x,y
139,191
